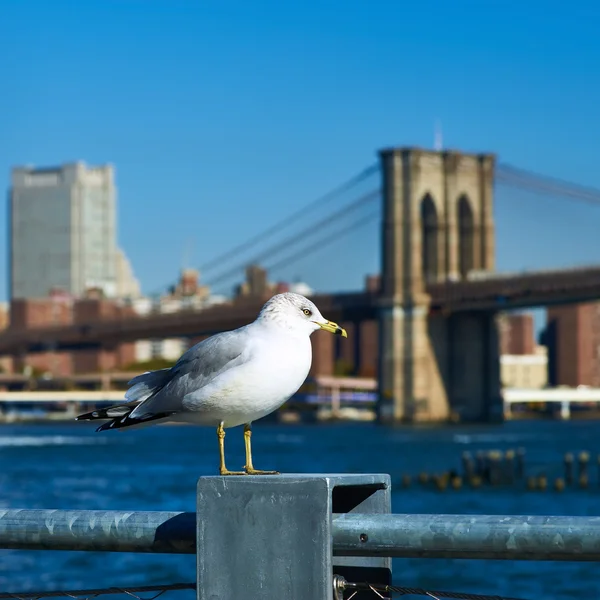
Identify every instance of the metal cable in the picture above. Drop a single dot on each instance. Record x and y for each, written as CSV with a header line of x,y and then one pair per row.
x,y
378,589
284,262
94,593
309,231
506,174
404,591
340,583
283,223
528,180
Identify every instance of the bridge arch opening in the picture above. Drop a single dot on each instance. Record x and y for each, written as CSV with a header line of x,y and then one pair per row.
x,y
430,234
466,237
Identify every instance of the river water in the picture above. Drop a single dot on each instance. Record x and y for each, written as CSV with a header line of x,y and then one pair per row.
x,y
68,466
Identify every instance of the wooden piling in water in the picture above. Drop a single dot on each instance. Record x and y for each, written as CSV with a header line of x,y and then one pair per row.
x,y
480,463
542,482
494,457
468,465
509,467
520,463
568,462
584,459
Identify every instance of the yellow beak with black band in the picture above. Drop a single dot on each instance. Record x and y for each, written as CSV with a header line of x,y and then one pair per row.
x,y
333,328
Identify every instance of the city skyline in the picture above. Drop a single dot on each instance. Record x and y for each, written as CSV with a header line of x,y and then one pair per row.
x,y
448,251
261,111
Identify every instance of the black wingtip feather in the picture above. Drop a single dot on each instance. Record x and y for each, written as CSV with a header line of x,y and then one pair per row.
x,y
126,421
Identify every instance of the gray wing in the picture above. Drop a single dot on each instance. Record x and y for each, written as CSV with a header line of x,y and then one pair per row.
x,y
196,368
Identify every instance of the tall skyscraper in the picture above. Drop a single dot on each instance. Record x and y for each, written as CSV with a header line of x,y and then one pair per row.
x,y
62,230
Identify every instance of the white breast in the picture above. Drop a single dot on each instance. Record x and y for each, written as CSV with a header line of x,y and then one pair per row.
x,y
278,365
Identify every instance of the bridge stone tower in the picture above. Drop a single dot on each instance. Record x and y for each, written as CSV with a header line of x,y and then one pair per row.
x,y
438,225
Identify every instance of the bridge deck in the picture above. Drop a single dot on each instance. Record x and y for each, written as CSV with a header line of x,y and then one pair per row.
x,y
525,290
338,307
497,292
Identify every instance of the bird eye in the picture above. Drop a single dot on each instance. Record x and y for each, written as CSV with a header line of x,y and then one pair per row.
x,y
306,312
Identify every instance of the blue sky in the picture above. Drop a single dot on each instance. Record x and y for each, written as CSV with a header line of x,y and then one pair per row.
x,y
222,117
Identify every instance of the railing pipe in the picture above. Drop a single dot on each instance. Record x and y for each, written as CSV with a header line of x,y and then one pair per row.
x,y
468,536
394,535
99,530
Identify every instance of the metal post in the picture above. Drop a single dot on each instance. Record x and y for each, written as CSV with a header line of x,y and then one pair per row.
x,y
270,536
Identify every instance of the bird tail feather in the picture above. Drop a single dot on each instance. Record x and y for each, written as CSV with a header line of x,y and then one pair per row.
x,y
119,415
141,388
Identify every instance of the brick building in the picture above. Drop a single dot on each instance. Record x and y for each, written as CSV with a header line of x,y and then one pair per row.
x,y
54,310
516,334
6,362
60,309
572,335
95,360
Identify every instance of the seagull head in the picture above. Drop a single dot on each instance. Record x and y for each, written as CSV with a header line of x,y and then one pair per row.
x,y
298,314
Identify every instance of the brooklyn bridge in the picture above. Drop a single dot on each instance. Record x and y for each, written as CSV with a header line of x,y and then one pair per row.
x,y
426,323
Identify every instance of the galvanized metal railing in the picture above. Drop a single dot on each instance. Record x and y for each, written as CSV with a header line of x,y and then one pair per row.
x,y
394,535
298,534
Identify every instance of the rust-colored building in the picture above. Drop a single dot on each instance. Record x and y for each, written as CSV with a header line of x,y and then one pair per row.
x,y
573,338
516,333
98,360
6,362
42,312
61,310
4,315
356,355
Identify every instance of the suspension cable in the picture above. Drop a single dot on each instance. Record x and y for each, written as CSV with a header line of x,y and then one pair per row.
x,y
297,237
523,179
324,242
283,223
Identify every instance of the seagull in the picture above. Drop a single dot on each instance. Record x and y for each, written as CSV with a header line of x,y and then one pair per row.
x,y
230,379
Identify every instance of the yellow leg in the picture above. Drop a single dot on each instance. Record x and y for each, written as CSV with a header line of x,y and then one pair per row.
x,y
222,468
249,468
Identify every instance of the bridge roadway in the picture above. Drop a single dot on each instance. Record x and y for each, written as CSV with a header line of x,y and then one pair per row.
x,y
492,293
337,307
517,290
